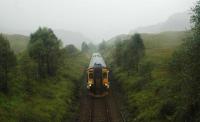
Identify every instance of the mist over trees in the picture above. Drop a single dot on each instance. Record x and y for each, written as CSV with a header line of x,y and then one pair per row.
x,y
128,53
157,76
102,45
88,48
84,47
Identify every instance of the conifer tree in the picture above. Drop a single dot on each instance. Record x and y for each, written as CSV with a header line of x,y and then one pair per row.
x,y
7,63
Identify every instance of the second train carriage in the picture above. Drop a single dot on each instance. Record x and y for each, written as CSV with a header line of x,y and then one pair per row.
x,y
97,76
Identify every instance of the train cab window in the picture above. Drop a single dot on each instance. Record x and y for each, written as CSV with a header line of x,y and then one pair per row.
x,y
90,75
104,75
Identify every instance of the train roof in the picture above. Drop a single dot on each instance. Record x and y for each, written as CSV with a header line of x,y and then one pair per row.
x,y
97,61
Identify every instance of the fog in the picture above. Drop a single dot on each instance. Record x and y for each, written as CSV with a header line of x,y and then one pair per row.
x,y
96,19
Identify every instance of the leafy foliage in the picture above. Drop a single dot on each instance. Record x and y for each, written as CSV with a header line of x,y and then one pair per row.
x,y
153,93
7,62
166,86
71,50
53,98
129,52
44,48
186,67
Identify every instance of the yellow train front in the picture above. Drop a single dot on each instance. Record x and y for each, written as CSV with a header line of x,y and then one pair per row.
x,y
97,76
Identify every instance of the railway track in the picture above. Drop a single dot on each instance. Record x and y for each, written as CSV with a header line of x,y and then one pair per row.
x,y
100,110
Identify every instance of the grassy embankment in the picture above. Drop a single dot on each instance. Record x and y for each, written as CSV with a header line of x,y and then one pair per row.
x,y
48,100
149,93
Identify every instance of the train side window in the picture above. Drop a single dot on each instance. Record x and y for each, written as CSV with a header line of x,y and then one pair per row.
x,y
90,75
104,75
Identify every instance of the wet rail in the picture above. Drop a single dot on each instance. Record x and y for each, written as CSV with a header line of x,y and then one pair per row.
x,y
100,110
104,109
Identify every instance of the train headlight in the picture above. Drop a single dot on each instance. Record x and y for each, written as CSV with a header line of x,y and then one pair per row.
x,y
89,84
107,85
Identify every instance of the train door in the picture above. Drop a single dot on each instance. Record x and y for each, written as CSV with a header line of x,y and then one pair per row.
x,y
98,85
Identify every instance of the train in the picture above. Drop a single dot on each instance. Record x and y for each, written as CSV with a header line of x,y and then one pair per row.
x,y
98,83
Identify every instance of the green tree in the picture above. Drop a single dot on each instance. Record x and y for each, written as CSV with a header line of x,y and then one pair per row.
x,y
84,47
135,51
102,45
29,72
92,47
128,53
44,48
195,19
118,53
186,65
71,50
7,63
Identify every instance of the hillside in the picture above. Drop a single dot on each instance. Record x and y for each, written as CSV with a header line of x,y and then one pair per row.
x,y
159,46
67,37
149,93
176,22
169,39
166,39
18,42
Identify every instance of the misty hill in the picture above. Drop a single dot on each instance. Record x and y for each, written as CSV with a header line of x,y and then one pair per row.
x,y
120,37
69,37
17,42
176,22
168,39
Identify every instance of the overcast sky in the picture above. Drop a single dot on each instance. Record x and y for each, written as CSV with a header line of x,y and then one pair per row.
x,y
97,19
